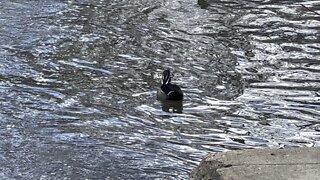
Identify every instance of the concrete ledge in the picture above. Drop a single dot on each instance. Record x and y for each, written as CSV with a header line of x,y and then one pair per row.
x,y
261,164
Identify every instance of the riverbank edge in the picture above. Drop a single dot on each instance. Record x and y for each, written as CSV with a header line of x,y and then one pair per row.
x,y
263,164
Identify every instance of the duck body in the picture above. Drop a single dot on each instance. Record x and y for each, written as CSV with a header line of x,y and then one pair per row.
x,y
172,91
167,90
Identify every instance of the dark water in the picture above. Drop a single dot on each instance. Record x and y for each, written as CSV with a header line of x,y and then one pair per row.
x,y
78,82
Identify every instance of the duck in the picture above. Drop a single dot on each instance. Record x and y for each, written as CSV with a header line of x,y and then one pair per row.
x,y
167,90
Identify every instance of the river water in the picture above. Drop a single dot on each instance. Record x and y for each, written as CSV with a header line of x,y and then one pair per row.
x,y
78,82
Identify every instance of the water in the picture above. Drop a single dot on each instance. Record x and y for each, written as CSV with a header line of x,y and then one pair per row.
x,y
79,79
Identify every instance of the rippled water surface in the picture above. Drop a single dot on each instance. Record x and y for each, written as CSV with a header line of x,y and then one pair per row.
x,y
78,82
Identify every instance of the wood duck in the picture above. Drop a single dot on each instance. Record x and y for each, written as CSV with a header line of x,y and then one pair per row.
x,y
167,90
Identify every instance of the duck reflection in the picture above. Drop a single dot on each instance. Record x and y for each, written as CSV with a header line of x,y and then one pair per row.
x,y
172,106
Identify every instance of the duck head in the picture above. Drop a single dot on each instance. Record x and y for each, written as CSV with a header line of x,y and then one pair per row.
x,y
166,77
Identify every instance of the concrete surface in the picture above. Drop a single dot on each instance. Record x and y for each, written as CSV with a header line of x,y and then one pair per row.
x,y
260,164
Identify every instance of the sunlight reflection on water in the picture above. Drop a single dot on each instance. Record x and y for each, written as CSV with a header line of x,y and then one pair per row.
x,y
79,80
